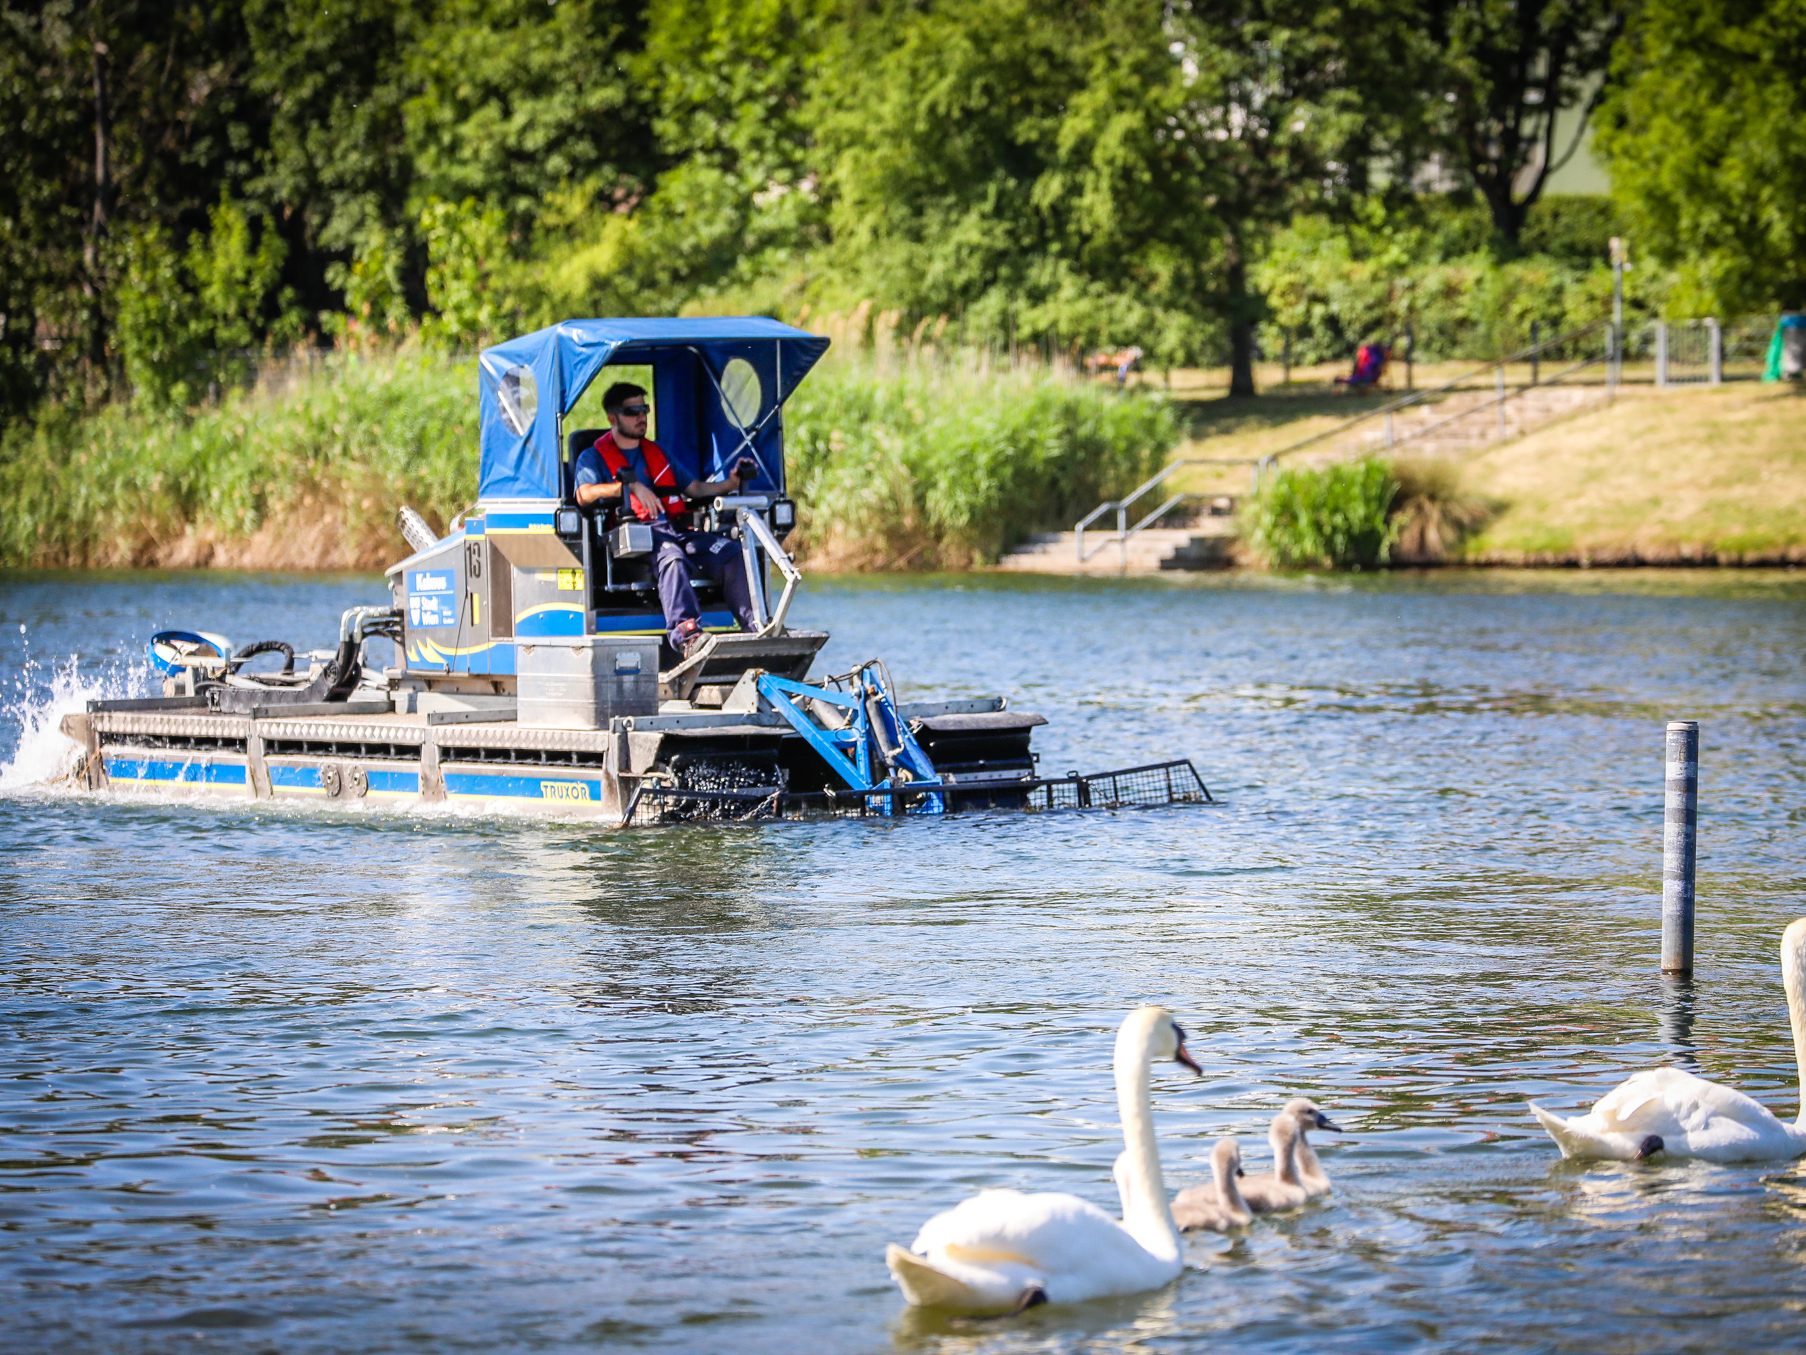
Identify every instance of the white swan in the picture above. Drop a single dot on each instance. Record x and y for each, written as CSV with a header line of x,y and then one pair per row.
x,y
1218,1207
1002,1250
1667,1110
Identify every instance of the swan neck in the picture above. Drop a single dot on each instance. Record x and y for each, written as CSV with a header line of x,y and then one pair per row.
x,y
1147,1215
1309,1166
1282,1137
1229,1190
1793,978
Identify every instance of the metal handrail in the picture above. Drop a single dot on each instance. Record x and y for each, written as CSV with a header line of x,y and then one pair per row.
x,y
1123,530
1496,401
1120,506
1411,398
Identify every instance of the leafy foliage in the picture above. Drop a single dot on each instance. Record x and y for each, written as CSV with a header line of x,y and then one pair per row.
x,y
1431,271
1161,173
1334,517
130,486
1703,137
913,468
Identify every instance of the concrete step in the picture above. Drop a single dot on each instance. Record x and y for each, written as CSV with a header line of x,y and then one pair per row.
x,y
1207,545
1470,419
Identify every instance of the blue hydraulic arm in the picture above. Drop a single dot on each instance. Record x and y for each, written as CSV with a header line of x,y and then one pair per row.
x,y
874,739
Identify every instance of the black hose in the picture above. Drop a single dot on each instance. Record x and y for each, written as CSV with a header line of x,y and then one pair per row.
x,y
281,647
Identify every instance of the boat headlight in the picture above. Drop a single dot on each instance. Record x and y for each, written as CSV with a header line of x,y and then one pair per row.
x,y
569,522
783,517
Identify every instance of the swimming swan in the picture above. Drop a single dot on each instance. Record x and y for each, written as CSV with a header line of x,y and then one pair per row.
x,y
1217,1207
1691,1116
1002,1250
1281,1188
1308,1116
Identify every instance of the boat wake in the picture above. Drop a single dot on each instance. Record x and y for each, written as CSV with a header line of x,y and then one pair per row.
x,y
32,711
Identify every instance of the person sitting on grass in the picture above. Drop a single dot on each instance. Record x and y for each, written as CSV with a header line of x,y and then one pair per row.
x,y
628,468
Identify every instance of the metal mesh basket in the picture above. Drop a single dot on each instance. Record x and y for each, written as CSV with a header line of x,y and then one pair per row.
x,y
1150,786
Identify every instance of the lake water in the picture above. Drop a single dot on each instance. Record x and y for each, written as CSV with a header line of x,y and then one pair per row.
x,y
342,1079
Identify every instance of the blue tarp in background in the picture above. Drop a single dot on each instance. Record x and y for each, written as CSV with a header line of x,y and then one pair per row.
x,y
527,385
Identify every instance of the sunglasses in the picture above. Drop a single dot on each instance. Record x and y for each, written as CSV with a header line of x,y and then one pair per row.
x,y
636,411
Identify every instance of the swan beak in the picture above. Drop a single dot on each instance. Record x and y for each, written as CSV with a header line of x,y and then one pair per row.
x,y
1183,1055
1324,1122
1650,1146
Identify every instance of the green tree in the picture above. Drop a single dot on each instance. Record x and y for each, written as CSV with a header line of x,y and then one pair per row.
x,y
467,272
120,113
1705,136
937,123
155,328
332,165
505,101
1494,76
1286,106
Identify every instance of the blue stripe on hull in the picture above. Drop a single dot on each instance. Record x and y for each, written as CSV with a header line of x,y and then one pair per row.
x,y
295,778
170,772
394,783
556,789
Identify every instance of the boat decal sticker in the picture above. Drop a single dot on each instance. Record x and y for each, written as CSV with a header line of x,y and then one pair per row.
x,y
564,789
548,618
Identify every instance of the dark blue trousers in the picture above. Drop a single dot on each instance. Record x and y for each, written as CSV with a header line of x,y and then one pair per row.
x,y
675,554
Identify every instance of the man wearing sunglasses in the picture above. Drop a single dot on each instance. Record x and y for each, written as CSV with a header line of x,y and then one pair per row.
x,y
628,469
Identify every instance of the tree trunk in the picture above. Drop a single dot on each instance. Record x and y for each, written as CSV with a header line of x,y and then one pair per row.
x,y
1507,213
103,179
1241,321
92,281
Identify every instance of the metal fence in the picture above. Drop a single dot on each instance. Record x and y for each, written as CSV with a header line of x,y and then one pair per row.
x,y
1698,352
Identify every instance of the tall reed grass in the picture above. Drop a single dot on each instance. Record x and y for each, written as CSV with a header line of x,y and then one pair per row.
x,y
915,468
308,475
927,466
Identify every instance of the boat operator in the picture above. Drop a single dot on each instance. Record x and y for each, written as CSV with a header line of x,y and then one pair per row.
x,y
627,465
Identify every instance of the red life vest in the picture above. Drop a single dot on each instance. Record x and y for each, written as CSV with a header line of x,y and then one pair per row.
x,y
664,479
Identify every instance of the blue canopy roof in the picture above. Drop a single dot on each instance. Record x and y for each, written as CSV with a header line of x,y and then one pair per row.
x,y
707,412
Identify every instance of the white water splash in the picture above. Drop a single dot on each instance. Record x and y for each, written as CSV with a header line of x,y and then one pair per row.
x,y
44,755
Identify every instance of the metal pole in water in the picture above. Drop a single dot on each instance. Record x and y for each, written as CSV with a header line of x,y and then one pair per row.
x,y
1680,819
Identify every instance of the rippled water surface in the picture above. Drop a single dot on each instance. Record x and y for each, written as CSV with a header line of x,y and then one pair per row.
x,y
364,1080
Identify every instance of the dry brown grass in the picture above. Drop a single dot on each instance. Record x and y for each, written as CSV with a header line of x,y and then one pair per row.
x,y
1694,475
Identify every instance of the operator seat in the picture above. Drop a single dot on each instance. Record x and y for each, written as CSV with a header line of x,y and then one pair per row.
x,y
635,575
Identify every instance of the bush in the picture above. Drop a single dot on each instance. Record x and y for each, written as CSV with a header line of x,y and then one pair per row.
x,y
157,335
1333,517
467,277
1434,270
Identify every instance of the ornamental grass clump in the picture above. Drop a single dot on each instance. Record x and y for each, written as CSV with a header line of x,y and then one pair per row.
x,y
1331,517
1434,512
